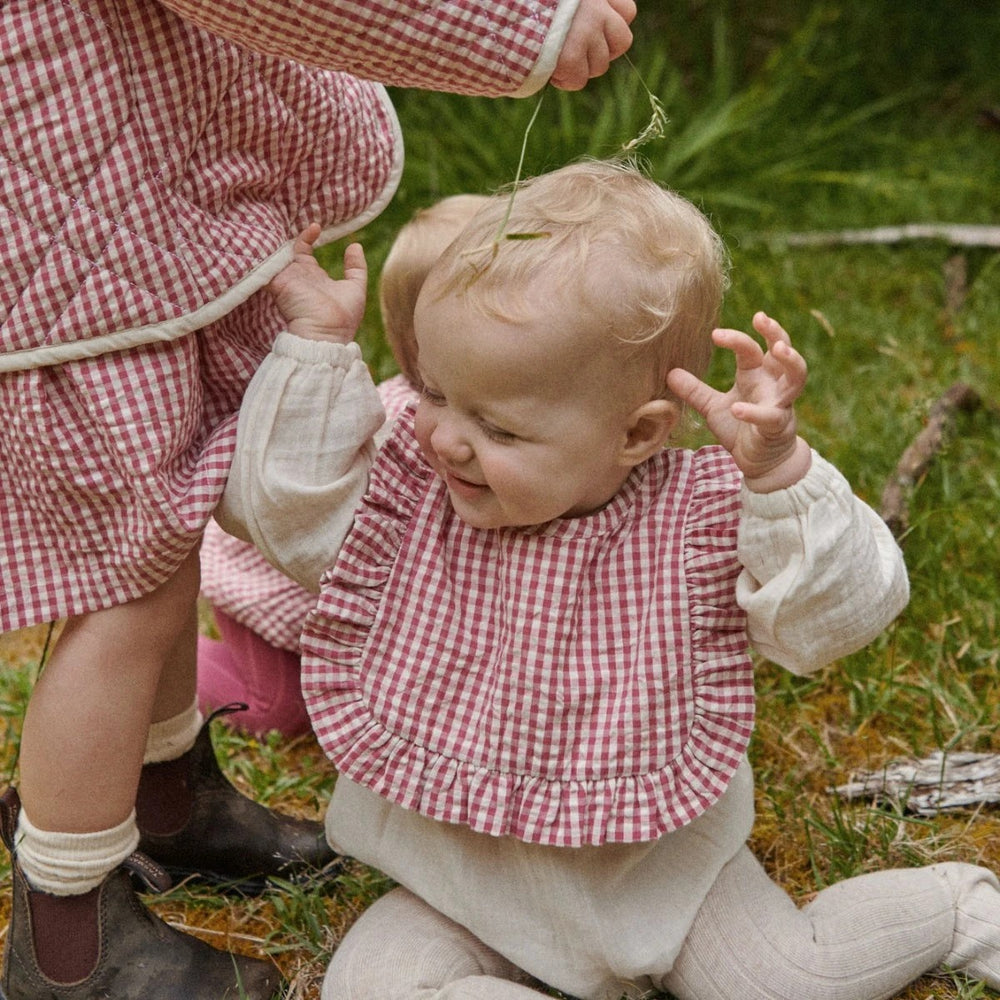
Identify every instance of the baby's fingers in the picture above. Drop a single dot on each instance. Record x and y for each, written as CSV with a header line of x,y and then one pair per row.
x,y
305,240
747,351
355,265
780,346
771,419
691,391
794,371
770,329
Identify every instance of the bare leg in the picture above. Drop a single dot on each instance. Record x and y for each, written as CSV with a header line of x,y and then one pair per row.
x,y
179,678
87,720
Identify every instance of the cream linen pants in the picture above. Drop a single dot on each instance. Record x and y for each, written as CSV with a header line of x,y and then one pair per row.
x,y
865,938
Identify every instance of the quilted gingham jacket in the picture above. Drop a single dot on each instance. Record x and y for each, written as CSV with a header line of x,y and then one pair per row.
x,y
155,158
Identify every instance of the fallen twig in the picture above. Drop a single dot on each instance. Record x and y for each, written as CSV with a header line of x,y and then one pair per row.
x,y
917,456
954,233
935,784
234,935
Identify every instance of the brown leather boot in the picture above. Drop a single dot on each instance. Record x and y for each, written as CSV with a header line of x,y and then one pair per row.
x,y
195,823
105,945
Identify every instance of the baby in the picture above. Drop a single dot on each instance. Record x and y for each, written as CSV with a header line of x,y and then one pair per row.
x,y
529,659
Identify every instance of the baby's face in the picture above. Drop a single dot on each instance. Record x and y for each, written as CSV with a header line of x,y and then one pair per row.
x,y
520,420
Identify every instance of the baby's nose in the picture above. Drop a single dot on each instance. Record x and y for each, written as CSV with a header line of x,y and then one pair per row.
x,y
451,444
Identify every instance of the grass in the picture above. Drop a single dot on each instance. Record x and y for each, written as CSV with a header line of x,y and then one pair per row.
x,y
798,117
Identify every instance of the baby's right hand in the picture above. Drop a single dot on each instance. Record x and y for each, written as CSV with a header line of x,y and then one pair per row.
x,y
598,34
314,305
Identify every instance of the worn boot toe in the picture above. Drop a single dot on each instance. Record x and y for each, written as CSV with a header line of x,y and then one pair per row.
x,y
223,836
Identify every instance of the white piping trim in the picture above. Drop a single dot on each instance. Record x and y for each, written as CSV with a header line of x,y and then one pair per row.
x,y
156,333
377,207
545,65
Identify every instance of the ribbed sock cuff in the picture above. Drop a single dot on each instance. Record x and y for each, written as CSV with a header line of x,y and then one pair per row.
x,y
172,737
69,864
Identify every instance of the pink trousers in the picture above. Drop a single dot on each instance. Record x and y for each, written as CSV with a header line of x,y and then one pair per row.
x,y
244,667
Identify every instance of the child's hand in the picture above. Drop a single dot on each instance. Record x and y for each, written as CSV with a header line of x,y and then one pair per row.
x,y
755,420
598,34
314,305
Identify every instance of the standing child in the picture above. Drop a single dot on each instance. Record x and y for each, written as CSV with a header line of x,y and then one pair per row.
x,y
258,610
157,157
530,662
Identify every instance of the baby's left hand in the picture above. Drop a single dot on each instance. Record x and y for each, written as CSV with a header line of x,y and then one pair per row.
x,y
755,420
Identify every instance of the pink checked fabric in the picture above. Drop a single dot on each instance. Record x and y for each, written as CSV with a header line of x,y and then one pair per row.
x,y
586,682
150,172
484,48
149,167
238,580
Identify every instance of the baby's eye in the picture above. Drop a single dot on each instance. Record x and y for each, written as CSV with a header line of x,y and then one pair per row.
x,y
432,397
498,435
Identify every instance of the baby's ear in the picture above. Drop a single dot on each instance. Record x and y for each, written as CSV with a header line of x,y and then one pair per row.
x,y
649,428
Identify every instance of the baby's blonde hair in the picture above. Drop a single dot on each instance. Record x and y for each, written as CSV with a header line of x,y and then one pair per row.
x,y
644,260
414,251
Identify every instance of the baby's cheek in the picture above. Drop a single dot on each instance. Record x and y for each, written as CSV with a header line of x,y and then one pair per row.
x,y
423,427
526,492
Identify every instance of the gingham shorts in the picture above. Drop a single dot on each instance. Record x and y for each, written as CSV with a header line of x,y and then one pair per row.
x,y
110,467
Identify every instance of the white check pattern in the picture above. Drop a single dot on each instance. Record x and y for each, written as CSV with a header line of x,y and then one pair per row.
x,y
483,48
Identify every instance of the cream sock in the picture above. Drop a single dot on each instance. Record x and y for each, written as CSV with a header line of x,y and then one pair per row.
x,y
975,948
173,737
69,864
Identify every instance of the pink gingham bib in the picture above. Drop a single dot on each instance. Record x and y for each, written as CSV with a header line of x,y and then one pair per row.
x,y
583,682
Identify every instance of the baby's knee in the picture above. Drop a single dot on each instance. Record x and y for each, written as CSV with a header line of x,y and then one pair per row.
x,y
402,949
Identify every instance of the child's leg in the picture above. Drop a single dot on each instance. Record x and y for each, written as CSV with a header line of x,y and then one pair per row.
x,y
177,689
245,667
77,927
192,820
402,949
87,720
862,939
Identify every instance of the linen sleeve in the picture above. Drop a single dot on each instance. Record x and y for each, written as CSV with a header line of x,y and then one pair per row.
x,y
461,46
822,574
304,446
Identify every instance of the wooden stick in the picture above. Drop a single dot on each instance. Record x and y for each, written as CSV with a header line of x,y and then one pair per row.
x,y
917,457
955,234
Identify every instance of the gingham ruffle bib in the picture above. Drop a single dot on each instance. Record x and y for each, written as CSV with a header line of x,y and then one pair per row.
x,y
585,682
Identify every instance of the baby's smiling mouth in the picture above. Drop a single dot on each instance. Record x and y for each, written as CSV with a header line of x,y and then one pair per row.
x,y
462,485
